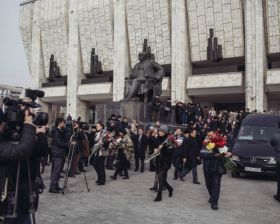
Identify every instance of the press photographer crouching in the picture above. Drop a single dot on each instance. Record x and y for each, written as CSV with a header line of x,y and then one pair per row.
x,y
20,155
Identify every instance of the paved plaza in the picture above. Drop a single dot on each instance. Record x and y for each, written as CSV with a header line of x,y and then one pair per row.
x,y
243,200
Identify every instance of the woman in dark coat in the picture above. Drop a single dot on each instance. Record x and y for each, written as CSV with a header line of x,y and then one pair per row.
x,y
164,161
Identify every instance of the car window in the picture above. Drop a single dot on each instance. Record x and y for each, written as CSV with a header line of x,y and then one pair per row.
x,y
256,133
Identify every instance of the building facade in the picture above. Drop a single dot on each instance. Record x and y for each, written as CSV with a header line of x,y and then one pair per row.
x,y
9,91
178,33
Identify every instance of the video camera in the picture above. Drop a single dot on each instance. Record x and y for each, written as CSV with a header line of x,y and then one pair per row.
x,y
14,113
84,126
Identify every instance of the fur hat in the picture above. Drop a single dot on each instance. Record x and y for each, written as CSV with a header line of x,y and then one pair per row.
x,y
163,128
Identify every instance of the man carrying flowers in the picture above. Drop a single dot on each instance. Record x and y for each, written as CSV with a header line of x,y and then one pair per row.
x,y
216,162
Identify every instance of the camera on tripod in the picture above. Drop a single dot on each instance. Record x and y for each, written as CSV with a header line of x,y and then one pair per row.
x,y
15,112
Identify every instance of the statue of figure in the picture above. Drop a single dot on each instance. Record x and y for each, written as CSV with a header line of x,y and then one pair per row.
x,y
214,50
95,64
145,79
51,68
54,70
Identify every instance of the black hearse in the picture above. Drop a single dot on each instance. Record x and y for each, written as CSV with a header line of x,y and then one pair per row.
x,y
252,152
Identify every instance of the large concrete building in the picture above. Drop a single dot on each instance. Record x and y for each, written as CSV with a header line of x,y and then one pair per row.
x,y
177,31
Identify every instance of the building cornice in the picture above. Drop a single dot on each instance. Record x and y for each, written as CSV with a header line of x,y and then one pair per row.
x,y
27,2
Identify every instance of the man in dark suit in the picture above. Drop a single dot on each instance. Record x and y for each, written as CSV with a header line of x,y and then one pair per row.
x,y
191,152
140,145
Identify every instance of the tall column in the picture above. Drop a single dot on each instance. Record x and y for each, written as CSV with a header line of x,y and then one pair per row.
x,y
75,106
181,58
255,56
37,68
37,71
122,67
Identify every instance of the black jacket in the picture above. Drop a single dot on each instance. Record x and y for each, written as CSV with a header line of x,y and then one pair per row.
x,y
191,149
59,143
140,146
210,162
39,150
91,139
16,152
164,160
152,144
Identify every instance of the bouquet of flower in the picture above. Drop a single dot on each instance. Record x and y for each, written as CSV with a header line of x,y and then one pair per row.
x,y
171,142
107,136
217,141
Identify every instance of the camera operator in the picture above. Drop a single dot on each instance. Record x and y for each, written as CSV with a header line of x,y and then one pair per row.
x,y
24,156
9,151
59,147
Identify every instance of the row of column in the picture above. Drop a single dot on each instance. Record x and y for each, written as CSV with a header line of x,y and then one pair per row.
x,y
255,57
181,59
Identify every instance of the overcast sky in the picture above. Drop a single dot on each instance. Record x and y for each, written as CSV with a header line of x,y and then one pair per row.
x,y
13,64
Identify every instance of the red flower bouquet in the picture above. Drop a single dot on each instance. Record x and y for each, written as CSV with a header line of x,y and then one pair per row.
x,y
171,142
216,140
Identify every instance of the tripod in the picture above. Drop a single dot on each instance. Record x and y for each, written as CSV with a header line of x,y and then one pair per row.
x,y
69,162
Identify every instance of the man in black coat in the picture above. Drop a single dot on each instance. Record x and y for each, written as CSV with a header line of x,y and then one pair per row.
x,y
140,142
31,167
191,149
275,142
59,147
26,156
91,139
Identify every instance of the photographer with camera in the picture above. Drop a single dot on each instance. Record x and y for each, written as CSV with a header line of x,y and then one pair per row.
x,y
20,155
10,151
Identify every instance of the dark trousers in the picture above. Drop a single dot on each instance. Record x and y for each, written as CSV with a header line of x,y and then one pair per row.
x,y
81,164
185,171
152,166
137,158
21,219
109,162
122,165
162,181
177,162
278,179
95,164
194,173
99,165
213,184
56,169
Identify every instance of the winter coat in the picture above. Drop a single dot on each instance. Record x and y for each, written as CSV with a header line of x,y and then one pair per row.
x,y
16,152
59,143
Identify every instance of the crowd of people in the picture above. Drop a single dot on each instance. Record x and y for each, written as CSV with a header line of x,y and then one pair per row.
x,y
113,146
123,146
